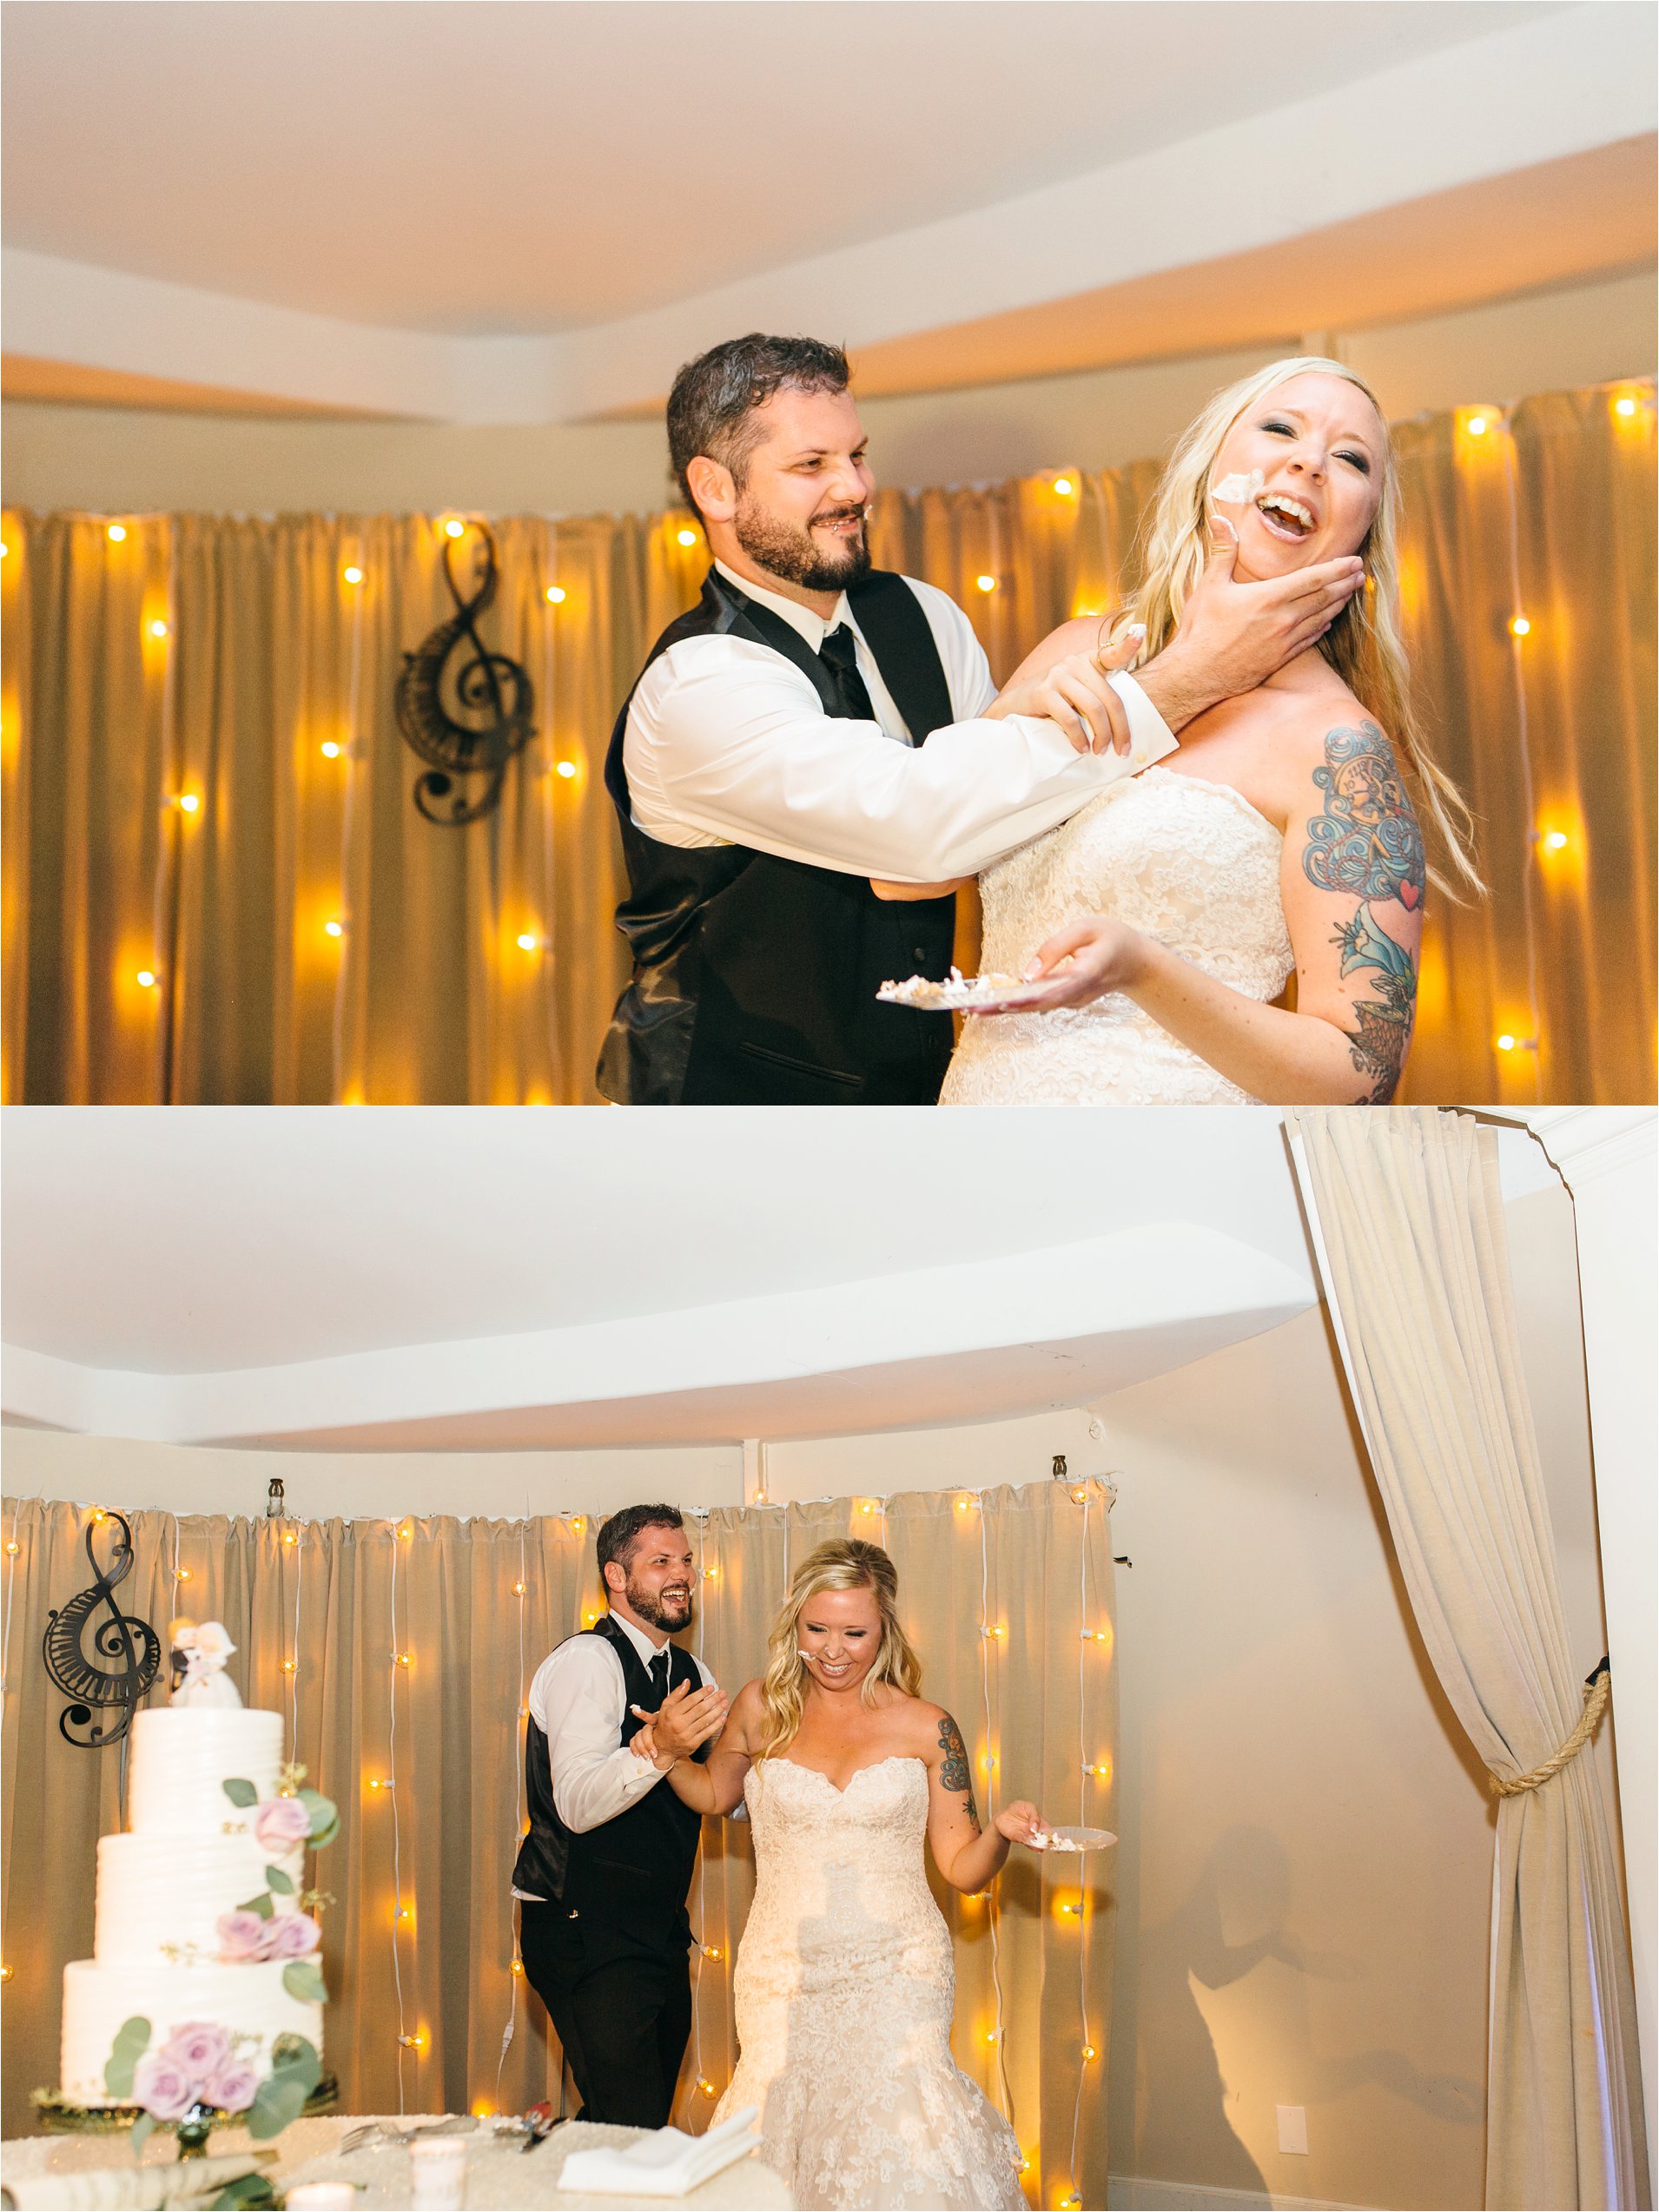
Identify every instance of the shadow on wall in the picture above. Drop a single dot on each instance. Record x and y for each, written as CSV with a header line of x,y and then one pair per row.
x,y
1235,1921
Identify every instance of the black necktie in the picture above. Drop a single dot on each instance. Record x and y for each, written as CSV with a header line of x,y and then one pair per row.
x,y
659,1679
839,655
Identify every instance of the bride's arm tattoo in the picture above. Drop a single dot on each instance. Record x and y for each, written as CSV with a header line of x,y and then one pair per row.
x,y
953,1774
1366,840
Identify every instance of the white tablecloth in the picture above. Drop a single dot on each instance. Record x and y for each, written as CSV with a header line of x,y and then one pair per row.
x,y
500,2177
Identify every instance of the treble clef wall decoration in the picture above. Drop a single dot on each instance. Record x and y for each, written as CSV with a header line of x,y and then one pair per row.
x,y
111,1662
493,692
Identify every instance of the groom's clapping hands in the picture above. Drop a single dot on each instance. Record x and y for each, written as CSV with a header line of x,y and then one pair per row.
x,y
686,1718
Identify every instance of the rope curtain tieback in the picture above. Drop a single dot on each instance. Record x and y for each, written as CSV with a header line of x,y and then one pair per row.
x,y
1598,1687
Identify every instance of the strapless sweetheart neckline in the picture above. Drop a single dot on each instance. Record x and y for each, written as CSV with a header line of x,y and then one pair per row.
x,y
1209,784
894,1758
1186,860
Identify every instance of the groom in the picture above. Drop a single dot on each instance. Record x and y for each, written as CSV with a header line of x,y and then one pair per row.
x,y
604,1872
813,723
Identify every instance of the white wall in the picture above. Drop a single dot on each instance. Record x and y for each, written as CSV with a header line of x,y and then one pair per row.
x,y
111,460
176,1478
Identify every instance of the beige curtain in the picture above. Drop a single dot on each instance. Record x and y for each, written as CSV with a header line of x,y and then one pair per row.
x,y
1409,1220
426,996
1007,1593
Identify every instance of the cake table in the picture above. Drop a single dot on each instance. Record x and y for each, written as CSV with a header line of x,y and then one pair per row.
x,y
500,2176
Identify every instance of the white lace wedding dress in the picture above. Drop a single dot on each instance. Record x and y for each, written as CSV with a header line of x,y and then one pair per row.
x,y
844,1986
1189,863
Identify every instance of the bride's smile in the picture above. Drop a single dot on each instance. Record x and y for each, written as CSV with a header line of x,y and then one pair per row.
x,y
1316,446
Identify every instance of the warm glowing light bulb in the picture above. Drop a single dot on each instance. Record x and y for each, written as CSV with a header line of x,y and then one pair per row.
x,y
964,1505
4,549
403,1912
1088,2051
1063,485
713,1950
1079,1495
453,528
290,1538
1520,627
711,1573
1506,1043
352,575
706,2086
518,1589
147,978
1625,406
1554,839
6,1973
289,1666
188,802
405,1659
517,1967
182,1574
116,533
991,2034
687,536
158,628
330,750
334,928
1477,426
567,768
555,595
528,941
986,582
588,1619
12,1550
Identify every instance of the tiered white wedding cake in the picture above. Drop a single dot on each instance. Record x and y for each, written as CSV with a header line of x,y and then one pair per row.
x,y
199,1917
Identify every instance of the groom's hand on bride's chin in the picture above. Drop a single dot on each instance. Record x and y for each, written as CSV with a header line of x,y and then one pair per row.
x,y
1232,636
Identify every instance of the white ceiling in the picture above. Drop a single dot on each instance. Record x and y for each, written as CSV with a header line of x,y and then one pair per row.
x,y
469,211
451,1279
174,1240
487,167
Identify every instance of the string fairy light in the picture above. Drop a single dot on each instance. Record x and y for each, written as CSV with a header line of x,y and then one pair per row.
x,y
515,1969
164,912
1519,630
987,1643
347,814
703,1951
1086,2047
405,2041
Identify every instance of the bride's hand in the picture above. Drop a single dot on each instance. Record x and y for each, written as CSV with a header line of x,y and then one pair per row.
x,y
1020,1823
1075,693
1078,965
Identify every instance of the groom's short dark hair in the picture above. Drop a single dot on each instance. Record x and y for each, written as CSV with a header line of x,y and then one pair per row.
x,y
714,398
622,1531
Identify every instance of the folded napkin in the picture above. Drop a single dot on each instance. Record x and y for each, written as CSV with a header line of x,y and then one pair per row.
x,y
183,2180
668,2163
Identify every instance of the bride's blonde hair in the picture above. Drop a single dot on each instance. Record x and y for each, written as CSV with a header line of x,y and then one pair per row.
x,y
842,1564
1363,644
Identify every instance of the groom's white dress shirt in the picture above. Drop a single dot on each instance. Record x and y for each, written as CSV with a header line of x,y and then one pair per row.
x,y
578,1701
727,742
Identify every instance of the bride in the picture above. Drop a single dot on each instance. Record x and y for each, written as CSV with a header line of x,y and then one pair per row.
x,y
1158,928
845,1983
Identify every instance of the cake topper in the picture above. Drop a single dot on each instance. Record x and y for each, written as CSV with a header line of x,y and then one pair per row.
x,y
198,1651
95,1662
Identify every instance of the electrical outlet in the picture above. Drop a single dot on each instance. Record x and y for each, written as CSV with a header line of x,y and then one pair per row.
x,y
1292,2127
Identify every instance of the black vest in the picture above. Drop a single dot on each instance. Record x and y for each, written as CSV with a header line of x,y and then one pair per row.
x,y
627,1879
754,978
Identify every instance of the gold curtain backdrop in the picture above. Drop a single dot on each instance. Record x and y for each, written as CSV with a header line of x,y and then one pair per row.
x,y
1007,1593
204,783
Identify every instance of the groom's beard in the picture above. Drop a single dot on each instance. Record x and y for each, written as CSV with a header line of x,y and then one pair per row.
x,y
797,555
662,1610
